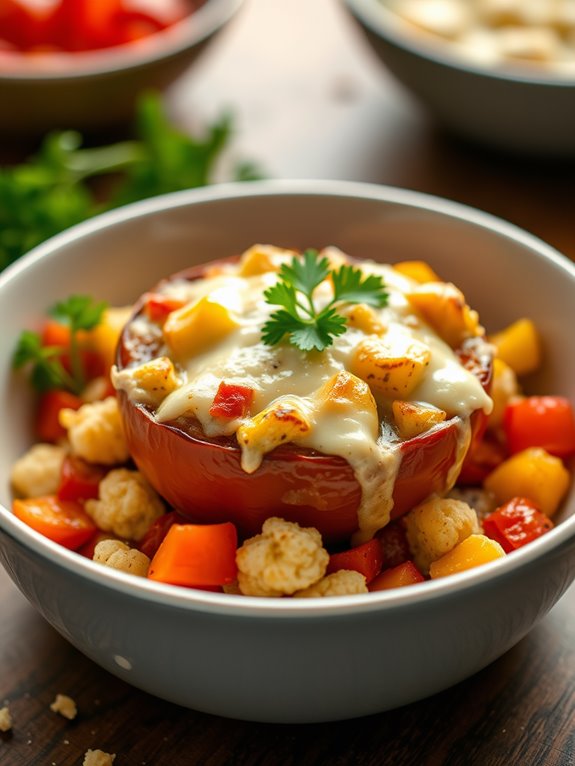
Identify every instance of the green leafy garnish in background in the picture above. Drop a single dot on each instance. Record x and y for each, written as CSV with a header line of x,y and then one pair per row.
x,y
78,312
52,191
306,327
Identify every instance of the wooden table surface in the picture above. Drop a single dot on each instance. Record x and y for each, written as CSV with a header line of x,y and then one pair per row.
x,y
311,101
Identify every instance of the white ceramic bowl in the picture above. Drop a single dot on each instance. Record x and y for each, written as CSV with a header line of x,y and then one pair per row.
x,y
530,111
98,90
289,660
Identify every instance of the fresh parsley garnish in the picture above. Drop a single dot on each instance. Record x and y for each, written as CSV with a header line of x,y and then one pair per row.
x,y
78,312
299,318
65,182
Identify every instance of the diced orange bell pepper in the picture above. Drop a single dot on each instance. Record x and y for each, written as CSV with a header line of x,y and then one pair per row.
x,y
196,555
48,426
62,521
398,577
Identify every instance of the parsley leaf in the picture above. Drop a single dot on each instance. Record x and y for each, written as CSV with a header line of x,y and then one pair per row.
x,y
307,328
79,312
65,183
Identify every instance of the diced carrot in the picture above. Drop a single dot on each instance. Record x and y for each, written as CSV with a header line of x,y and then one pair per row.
x,y
367,559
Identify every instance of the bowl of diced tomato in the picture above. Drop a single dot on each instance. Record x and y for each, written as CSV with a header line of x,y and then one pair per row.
x,y
215,601
81,64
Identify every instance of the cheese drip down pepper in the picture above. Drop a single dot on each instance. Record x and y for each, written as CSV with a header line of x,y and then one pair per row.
x,y
339,397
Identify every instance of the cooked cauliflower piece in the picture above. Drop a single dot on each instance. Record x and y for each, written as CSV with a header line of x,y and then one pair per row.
x,y
95,432
437,526
37,472
65,706
345,582
283,559
98,758
127,504
5,718
118,555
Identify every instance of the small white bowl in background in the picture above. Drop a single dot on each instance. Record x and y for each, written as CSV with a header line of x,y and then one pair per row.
x,y
527,110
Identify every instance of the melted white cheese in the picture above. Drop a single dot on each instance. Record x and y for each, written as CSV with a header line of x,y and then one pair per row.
x,y
282,371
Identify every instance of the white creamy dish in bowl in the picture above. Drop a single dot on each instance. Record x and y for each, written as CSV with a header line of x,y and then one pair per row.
x,y
200,648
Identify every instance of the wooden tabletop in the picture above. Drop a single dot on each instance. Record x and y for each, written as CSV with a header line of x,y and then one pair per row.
x,y
311,101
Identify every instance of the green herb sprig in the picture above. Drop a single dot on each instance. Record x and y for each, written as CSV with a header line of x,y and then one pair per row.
x,y
306,327
78,312
55,189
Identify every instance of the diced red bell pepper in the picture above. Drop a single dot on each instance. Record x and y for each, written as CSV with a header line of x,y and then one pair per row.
x,y
62,521
231,401
151,541
196,555
483,458
540,421
79,480
367,559
48,426
22,25
393,540
397,577
158,306
516,523
78,25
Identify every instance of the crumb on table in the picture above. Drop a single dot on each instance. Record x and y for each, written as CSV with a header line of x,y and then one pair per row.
x,y
65,706
98,758
5,719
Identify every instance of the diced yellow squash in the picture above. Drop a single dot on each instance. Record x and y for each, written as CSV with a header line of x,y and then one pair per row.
x,y
282,422
534,474
344,391
443,306
474,551
104,337
364,318
156,378
391,371
504,388
413,418
419,271
259,259
197,326
519,346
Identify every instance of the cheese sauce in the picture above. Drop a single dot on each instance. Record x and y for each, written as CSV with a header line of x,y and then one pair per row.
x,y
285,374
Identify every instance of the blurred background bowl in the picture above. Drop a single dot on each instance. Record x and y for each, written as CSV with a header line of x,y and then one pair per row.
x,y
289,660
527,110
97,90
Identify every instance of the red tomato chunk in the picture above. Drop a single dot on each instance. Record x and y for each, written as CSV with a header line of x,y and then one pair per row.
x,y
79,480
541,421
516,523
367,559
231,401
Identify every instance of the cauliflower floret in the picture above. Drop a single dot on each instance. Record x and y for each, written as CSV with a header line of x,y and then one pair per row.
x,y
37,472
98,758
437,526
5,719
345,582
118,555
65,706
283,559
127,504
95,432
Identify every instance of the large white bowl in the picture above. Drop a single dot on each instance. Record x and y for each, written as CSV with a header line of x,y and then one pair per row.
x,y
289,660
530,112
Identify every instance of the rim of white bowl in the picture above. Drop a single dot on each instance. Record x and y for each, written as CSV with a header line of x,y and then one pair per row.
x,y
388,25
72,66
313,608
